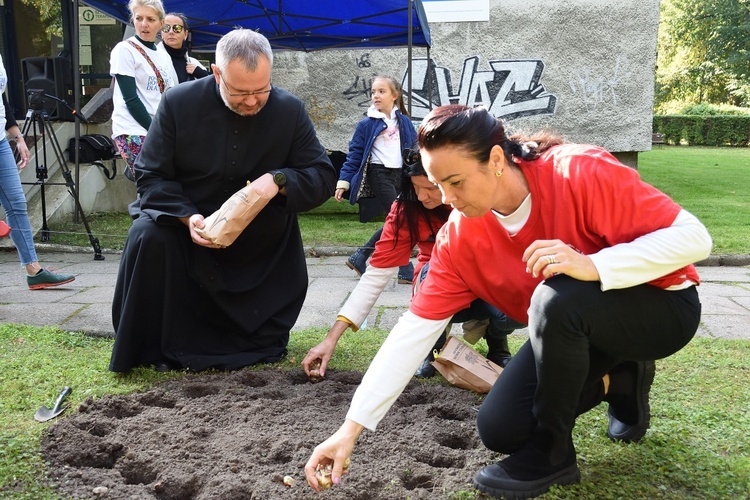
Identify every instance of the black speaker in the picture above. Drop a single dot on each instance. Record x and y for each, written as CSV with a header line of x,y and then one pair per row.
x,y
52,76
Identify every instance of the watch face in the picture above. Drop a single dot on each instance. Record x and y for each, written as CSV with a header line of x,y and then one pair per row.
x,y
279,178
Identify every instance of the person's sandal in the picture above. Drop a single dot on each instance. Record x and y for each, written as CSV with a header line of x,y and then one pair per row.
x,y
46,279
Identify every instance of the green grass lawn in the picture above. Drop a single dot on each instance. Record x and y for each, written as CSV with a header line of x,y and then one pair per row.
x,y
698,445
712,183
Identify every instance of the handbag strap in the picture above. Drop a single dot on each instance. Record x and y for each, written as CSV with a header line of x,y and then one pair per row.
x,y
159,78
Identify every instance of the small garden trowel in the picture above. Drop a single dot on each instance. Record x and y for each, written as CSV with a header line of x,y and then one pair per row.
x,y
43,414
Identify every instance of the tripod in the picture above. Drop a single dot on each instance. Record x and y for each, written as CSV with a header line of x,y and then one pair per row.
x,y
37,122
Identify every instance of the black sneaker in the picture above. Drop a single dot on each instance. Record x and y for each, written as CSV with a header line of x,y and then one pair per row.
x,y
630,414
426,370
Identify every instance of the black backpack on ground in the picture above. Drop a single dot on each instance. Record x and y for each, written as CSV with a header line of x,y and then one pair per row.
x,y
93,148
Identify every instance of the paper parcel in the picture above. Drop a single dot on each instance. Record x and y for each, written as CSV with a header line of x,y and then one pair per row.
x,y
223,226
464,367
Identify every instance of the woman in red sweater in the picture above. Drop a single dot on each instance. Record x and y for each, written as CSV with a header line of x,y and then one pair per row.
x,y
414,220
571,241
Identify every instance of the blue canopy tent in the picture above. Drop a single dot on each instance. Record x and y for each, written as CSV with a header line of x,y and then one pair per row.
x,y
306,25
303,25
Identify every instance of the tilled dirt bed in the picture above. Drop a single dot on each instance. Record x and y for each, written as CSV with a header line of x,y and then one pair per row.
x,y
236,435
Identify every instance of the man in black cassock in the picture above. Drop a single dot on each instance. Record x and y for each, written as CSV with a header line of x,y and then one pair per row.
x,y
181,301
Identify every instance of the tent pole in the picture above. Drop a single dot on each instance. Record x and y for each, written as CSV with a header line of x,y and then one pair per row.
x,y
76,97
409,42
71,37
429,81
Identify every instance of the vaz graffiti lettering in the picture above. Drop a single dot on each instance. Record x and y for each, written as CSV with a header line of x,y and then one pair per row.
x,y
511,89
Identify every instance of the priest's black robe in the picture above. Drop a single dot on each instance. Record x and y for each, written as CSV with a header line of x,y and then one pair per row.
x,y
197,307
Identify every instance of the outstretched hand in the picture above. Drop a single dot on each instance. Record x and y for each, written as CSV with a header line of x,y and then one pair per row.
x,y
324,350
334,450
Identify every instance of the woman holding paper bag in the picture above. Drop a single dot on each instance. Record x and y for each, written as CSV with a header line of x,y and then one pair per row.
x,y
142,74
564,236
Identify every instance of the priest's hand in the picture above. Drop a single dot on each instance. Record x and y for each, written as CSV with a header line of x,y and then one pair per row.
x,y
266,187
196,221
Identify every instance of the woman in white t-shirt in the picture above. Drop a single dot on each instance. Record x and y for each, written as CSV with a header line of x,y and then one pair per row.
x,y
142,74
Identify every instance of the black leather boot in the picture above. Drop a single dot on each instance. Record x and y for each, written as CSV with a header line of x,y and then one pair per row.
x,y
426,370
629,410
497,350
528,473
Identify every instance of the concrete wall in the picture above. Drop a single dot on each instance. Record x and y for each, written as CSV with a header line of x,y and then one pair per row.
x,y
584,68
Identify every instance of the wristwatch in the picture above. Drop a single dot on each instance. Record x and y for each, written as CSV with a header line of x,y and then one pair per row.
x,y
278,177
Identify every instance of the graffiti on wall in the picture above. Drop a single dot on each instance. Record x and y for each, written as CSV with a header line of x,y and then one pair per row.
x,y
594,90
509,89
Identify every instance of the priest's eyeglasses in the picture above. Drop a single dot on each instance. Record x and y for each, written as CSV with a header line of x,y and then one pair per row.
x,y
244,94
177,28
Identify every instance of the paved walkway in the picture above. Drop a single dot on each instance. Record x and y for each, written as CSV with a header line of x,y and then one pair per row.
x,y
84,305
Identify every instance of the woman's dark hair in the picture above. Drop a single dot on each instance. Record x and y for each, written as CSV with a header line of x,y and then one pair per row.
x,y
476,131
409,210
182,17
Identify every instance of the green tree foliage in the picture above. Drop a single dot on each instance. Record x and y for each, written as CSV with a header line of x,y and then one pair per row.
x,y
704,53
50,12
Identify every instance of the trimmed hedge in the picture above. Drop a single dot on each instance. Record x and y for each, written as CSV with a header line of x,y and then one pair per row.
x,y
704,130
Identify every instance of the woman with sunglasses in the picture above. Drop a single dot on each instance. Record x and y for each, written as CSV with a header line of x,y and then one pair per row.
x,y
142,74
414,220
563,237
174,34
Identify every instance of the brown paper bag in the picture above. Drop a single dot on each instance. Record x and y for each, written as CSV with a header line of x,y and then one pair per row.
x,y
464,367
223,226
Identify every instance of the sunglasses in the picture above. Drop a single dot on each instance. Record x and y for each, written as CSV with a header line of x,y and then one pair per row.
x,y
177,28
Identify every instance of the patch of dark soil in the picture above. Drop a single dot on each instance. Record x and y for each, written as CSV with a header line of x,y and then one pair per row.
x,y
236,435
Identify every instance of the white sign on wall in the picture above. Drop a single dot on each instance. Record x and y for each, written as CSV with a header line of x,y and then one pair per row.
x,y
84,46
88,16
451,11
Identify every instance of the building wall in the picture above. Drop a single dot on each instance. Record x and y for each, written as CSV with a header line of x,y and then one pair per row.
x,y
584,68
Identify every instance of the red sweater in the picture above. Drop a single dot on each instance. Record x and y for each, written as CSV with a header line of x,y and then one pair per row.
x,y
387,255
580,195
